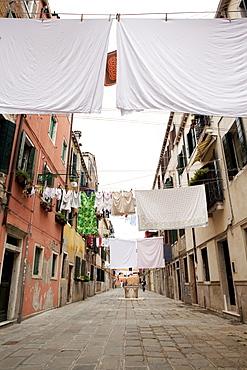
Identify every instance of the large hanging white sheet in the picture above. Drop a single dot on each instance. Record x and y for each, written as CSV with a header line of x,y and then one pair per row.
x,y
150,253
52,66
123,253
183,65
168,209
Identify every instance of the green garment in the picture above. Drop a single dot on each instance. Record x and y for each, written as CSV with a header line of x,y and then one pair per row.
x,y
87,222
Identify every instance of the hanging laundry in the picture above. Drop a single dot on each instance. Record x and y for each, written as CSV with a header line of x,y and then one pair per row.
x,y
76,199
66,201
150,253
107,202
103,202
168,209
197,66
122,203
122,253
99,201
87,221
72,68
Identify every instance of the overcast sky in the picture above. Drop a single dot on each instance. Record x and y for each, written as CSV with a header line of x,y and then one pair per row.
x,y
126,148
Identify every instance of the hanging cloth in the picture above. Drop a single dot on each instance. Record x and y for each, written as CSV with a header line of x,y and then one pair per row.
x,y
66,201
150,253
70,55
122,203
76,199
87,221
168,209
195,66
122,253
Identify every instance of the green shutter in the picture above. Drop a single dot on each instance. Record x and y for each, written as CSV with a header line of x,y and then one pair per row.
x,y
31,162
7,131
83,268
21,150
229,155
77,267
242,139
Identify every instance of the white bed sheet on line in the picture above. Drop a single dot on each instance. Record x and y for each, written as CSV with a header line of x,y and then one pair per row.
x,y
52,66
183,65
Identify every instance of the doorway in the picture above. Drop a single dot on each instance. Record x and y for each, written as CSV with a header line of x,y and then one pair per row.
x,y
193,284
226,276
5,284
69,283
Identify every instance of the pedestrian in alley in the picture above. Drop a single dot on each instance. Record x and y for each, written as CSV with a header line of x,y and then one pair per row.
x,y
143,283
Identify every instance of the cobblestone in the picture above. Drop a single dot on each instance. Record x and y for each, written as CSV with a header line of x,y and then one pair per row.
x,y
108,332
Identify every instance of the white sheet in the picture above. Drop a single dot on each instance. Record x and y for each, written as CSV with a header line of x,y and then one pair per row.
x,y
150,253
122,253
183,65
168,209
54,66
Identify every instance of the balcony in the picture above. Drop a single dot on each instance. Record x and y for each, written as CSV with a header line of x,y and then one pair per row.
x,y
210,176
201,122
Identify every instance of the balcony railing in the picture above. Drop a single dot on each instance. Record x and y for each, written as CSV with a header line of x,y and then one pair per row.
x,y
213,183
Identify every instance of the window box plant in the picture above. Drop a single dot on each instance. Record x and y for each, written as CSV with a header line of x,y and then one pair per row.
x,y
60,218
84,278
22,178
47,206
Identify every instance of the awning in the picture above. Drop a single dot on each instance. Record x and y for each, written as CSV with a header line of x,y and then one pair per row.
x,y
203,147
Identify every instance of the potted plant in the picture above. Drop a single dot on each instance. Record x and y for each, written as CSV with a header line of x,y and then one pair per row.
x,y
199,176
60,218
47,206
22,178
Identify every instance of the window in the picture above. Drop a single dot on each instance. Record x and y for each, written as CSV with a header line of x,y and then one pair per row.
x,y
77,267
173,236
54,266
191,141
7,131
64,151
92,273
64,266
100,275
53,128
73,172
234,143
27,156
182,161
49,178
186,275
38,261
83,268
205,264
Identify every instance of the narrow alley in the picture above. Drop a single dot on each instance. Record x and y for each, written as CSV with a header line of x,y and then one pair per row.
x,y
108,331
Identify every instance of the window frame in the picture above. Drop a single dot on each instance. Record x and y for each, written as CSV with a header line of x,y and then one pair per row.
x,y
28,164
39,263
54,266
52,133
205,264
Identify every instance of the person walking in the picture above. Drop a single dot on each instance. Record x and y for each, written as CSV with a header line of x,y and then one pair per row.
x,y
143,283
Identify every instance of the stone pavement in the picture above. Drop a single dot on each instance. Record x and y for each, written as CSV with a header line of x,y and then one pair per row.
x,y
105,332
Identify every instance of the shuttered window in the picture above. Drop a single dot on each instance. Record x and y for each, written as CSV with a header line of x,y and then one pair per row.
x,y
77,267
7,131
27,156
235,149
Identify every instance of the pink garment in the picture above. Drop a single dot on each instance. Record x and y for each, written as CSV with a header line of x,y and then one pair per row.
x,y
150,253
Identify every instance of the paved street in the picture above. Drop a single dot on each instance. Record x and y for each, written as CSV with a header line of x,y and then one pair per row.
x,y
105,332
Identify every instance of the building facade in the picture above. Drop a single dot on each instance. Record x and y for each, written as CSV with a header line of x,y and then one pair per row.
x,y
207,265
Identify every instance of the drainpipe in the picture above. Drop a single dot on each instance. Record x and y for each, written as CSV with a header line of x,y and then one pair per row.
x,y
13,168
